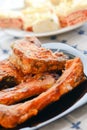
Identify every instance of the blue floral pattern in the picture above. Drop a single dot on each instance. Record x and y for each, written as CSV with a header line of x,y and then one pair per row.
x,y
76,125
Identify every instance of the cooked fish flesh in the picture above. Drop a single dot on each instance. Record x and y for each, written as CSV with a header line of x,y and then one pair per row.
x,y
9,75
33,86
11,116
30,58
11,19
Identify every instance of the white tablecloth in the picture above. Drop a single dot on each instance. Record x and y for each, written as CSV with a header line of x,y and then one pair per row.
x,y
77,38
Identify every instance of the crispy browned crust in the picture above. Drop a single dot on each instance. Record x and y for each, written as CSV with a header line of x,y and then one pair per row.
x,y
33,59
9,74
26,42
12,115
32,87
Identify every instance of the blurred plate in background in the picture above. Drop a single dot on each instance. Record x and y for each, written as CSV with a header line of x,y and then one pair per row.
x,y
20,33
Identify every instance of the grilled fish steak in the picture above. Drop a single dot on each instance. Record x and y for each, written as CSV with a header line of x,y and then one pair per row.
x,y
31,58
32,87
11,116
9,75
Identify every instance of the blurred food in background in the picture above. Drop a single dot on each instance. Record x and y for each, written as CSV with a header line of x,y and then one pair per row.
x,y
11,19
45,15
40,19
71,12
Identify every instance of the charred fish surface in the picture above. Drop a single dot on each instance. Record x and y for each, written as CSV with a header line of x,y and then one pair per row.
x,y
33,86
11,116
9,75
31,58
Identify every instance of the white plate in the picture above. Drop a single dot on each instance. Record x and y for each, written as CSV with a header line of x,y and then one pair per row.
x,y
19,33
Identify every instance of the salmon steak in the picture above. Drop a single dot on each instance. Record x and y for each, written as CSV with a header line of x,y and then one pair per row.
x,y
11,116
31,58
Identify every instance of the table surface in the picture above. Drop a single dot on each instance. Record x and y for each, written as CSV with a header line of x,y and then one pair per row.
x,y
76,120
